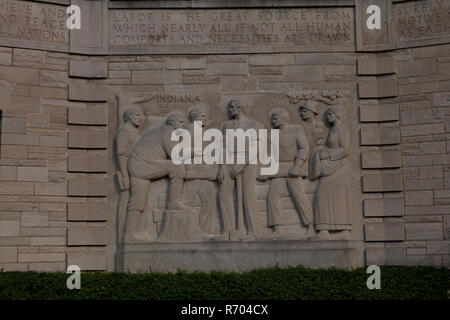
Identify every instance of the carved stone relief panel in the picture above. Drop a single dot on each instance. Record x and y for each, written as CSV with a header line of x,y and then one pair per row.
x,y
307,198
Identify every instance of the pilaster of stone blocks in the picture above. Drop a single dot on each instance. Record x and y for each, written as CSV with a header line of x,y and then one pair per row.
x,y
87,165
381,161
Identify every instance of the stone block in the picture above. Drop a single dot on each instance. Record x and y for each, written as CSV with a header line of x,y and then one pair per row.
x,y
53,141
376,65
43,231
385,256
87,261
371,136
86,236
438,247
88,116
87,92
87,163
17,188
416,68
50,78
303,73
440,99
39,174
9,228
13,125
35,219
423,184
381,159
423,231
28,76
37,120
88,139
388,231
87,187
419,198
25,104
425,260
378,112
227,68
8,254
88,69
382,182
156,77
377,88
386,207
8,173
422,129
48,241
50,189
41,257
14,152
184,63
91,211
47,266
5,58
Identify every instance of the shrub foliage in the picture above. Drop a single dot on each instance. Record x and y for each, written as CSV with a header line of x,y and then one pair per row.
x,y
292,283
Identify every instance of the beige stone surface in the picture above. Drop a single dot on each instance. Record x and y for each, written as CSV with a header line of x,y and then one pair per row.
x,y
85,236
88,116
87,139
87,211
87,187
87,163
88,260
384,231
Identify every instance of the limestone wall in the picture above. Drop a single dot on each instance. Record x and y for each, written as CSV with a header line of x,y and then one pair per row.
x,y
58,190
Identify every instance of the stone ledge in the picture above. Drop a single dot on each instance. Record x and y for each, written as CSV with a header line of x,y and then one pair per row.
x,y
88,116
88,139
88,69
237,256
87,187
381,159
377,88
378,113
383,207
87,211
88,92
87,163
377,136
382,182
86,236
388,231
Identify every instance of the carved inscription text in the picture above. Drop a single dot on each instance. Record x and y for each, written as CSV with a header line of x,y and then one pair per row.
x,y
33,21
287,27
422,19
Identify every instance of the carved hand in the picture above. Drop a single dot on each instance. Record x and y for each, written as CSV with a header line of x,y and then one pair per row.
x,y
294,171
324,154
126,182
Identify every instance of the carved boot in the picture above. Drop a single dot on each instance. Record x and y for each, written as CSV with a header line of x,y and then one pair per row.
x,y
310,232
132,233
324,235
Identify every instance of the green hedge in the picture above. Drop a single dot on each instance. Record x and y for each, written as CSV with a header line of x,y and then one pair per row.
x,y
275,283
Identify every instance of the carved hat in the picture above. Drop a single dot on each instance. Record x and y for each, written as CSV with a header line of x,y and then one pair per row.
x,y
310,105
